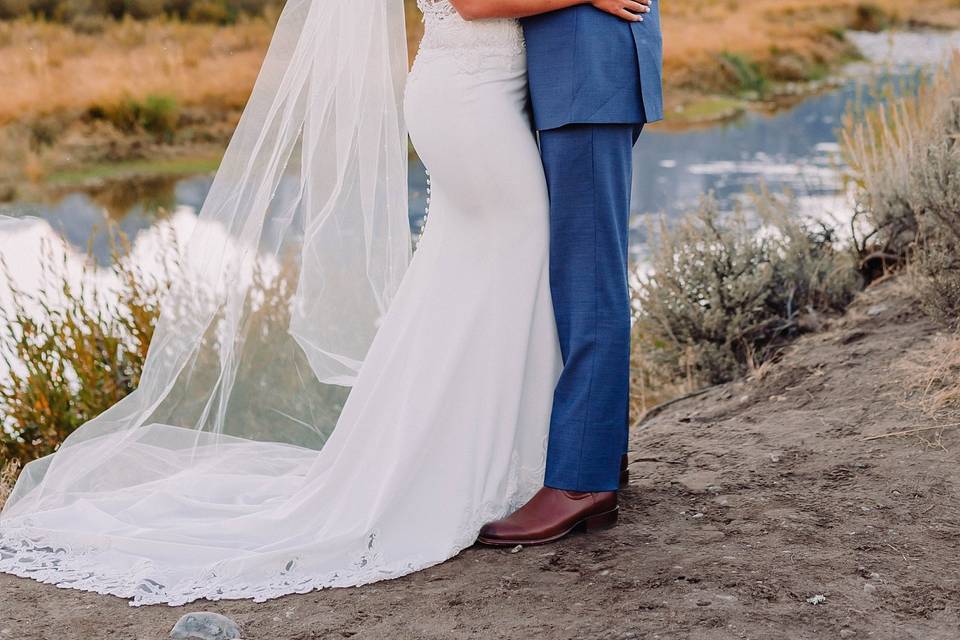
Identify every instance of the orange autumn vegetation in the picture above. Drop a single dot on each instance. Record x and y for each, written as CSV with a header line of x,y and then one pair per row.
x,y
52,68
786,39
49,68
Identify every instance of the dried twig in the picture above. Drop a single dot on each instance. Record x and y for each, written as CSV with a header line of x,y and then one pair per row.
x,y
908,432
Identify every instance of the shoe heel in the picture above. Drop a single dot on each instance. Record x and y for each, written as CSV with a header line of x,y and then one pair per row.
x,y
601,521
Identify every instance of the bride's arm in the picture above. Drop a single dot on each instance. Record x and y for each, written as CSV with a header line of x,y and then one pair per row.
x,y
478,9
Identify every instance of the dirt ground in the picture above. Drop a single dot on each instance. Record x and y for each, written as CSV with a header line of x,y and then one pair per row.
x,y
744,503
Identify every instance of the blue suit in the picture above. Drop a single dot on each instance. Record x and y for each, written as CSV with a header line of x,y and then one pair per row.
x,y
594,82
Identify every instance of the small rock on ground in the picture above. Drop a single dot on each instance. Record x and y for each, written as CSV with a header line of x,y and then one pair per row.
x,y
205,626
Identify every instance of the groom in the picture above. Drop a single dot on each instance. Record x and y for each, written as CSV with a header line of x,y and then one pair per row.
x,y
594,82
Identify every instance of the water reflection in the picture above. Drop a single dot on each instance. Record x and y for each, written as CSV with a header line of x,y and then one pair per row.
x,y
793,150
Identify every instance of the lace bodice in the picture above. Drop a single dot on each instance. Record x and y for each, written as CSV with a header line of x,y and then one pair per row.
x,y
475,43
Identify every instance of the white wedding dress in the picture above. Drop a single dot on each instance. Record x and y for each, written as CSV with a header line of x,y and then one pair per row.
x,y
444,429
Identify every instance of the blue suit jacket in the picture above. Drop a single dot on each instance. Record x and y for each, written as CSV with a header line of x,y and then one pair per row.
x,y
589,67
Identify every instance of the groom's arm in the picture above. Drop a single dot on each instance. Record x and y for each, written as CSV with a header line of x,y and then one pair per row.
x,y
632,10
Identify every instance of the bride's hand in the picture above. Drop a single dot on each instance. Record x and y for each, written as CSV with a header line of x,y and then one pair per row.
x,y
631,10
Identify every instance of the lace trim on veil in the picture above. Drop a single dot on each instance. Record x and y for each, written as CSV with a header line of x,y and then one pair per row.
x,y
50,558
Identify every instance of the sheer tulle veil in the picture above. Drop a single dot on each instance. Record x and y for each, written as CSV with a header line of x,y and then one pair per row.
x,y
299,247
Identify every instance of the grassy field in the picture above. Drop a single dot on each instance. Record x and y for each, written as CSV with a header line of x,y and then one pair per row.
x,y
712,46
50,68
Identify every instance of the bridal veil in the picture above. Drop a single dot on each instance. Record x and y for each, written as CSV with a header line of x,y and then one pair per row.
x,y
299,247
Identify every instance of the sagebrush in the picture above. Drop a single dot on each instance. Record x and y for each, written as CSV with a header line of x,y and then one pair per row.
x,y
726,292
905,164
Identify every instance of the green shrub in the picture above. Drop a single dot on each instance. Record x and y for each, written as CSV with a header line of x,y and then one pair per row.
x,y
43,132
211,11
123,114
156,114
142,9
869,17
726,293
14,8
743,75
159,115
91,25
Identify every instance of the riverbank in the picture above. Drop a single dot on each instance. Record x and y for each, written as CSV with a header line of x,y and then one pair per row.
x,y
721,59
81,98
745,504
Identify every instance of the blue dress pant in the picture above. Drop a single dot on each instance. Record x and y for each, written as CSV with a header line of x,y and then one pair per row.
x,y
589,173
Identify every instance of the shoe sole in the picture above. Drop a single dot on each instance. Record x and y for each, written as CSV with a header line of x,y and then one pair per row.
x,y
597,522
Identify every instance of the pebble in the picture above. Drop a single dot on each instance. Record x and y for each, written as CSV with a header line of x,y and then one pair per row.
x,y
869,588
517,549
205,626
847,633
817,599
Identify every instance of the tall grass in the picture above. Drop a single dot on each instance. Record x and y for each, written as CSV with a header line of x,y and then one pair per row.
x,y
8,477
905,165
72,351
75,348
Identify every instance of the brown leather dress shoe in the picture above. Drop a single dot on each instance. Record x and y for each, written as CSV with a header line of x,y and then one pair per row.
x,y
552,514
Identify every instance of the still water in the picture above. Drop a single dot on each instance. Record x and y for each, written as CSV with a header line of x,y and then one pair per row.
x,y
794,150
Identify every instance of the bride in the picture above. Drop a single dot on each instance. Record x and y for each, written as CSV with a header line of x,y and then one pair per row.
x,y
314,412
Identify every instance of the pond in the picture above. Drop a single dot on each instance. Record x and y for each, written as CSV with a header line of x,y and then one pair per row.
x,y
792,149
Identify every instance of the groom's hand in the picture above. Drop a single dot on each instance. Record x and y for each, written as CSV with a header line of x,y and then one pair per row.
x,y
631,10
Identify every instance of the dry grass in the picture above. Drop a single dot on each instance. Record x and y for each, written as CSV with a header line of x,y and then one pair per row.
x,y
780,40
72,349
50,68
8,477
885,145
904,163
933,379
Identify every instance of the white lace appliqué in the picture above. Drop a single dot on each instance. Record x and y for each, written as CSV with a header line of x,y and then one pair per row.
x,y
57,559
477,44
